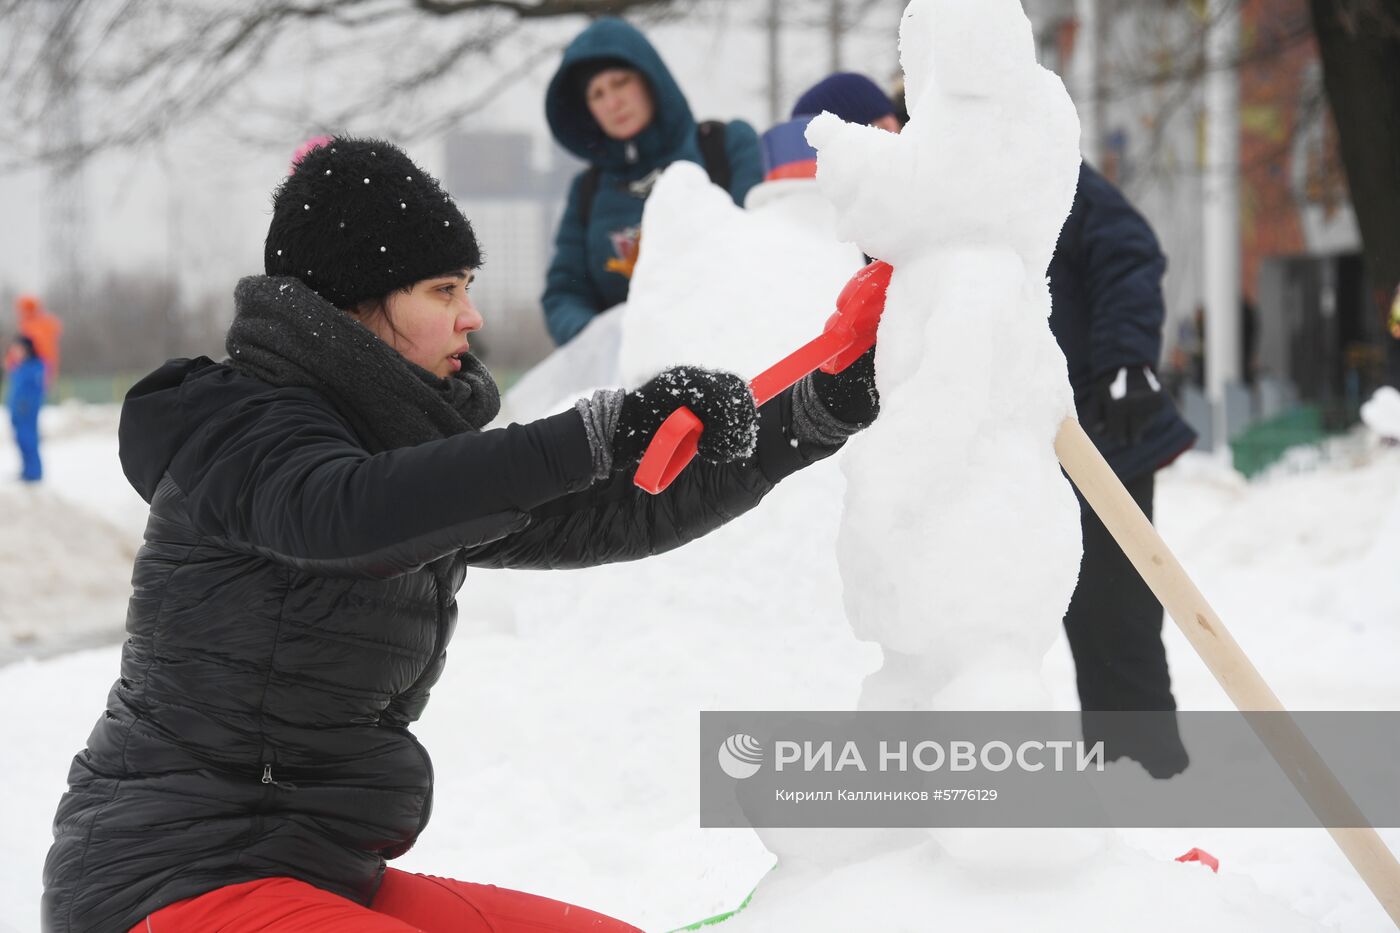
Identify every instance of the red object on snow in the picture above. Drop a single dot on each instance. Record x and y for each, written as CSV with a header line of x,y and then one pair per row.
x,y
1202,856
848,333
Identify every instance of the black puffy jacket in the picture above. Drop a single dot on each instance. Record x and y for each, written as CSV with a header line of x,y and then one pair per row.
x,y
291,608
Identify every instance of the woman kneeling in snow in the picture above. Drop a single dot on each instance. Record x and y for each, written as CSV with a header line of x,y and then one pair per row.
x,y
315,502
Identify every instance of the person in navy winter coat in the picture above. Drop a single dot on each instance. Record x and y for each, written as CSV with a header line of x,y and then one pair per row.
x,y
25,399
614,104
1107,314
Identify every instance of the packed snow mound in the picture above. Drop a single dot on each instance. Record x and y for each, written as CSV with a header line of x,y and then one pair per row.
x,y
728,288
714,286
918,891
66,543
1382,413
65,573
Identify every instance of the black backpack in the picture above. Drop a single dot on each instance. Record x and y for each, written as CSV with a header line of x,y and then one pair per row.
x,y
710,136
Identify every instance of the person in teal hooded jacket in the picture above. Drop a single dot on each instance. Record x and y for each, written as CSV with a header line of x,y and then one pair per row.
x,y
614,104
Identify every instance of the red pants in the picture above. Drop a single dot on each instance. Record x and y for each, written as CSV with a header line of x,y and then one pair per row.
x,y
405,904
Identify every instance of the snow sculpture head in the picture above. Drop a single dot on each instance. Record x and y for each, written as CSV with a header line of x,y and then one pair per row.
x,y
984,154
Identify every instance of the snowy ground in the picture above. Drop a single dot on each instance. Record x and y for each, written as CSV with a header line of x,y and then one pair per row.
x,y
564,732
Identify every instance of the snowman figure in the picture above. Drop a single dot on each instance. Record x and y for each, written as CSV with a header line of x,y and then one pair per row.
x,y
960,546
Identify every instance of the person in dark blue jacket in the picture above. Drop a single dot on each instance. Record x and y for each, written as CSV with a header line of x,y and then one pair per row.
x,y
614,104
25,400
1107,313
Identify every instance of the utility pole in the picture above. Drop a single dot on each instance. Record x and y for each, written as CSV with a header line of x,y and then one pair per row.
x,y
836,29
1221,211
1084,78
775,65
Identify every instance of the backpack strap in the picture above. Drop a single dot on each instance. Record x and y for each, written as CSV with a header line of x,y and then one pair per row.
x,y
710,136
711,139
587,191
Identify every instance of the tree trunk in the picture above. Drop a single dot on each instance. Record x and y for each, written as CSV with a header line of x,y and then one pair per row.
x,y
1359,41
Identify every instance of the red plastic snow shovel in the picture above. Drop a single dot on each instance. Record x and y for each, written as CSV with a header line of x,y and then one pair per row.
x,y
848,333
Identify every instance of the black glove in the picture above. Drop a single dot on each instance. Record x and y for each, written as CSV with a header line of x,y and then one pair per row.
x,y
1123,404
722,401
850,395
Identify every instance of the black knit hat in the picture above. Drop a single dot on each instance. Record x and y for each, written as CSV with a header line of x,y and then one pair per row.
x,y
357,219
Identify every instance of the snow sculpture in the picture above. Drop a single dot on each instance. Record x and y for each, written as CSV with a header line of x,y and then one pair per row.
x,y
715,285
960,547
726,287
967,207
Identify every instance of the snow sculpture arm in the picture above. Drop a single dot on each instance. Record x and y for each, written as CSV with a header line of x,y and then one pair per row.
x,y
866,174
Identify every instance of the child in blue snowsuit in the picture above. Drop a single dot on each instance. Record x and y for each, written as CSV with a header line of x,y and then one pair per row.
x,y
26,397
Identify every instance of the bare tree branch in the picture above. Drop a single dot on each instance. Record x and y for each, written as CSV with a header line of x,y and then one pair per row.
x,y
143,68
543,8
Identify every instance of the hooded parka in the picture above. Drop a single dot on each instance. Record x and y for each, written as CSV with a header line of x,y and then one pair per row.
x,y
291,609
580,283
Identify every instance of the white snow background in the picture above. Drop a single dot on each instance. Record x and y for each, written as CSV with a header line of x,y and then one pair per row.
x,y
564,732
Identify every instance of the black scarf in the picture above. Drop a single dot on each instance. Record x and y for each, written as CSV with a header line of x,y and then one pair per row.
x,y
285,334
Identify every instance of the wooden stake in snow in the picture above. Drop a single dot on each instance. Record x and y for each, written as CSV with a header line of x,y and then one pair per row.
x,y
1315,782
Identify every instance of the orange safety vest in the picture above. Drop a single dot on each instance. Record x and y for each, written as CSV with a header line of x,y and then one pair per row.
x,y
43,329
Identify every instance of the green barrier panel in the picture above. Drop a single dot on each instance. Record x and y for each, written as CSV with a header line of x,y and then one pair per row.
x,y
1263,443
96,390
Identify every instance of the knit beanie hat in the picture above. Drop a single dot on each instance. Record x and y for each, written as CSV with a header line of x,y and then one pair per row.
x,y
357,219
852,97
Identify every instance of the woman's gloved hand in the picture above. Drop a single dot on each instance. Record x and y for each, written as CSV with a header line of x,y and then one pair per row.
x,y
850,395
722,401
